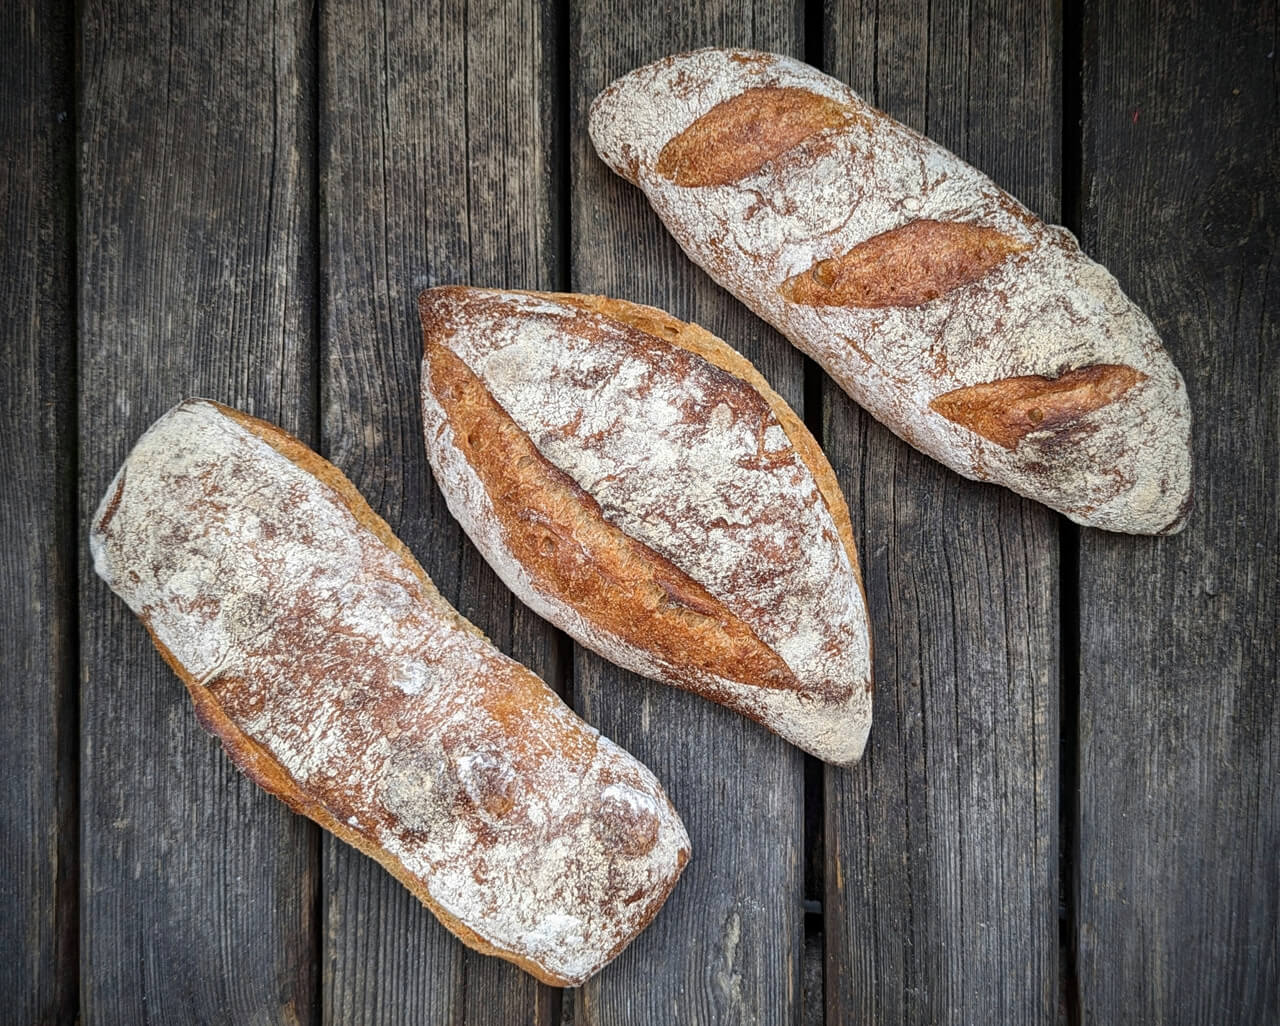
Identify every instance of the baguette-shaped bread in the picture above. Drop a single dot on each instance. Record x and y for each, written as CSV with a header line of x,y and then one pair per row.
x,y
975,331
637,483
339,680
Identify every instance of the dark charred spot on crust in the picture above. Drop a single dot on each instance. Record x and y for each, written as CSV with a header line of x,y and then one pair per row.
x,y
1064,433
244,616
907,266
738,136
1008,410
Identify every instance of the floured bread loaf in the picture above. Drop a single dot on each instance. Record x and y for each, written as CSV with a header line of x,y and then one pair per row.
x,y
975,331
339,680
637,483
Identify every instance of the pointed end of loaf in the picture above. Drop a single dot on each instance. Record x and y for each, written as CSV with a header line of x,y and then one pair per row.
x,y
1150,465
835,735
437,309
1183,515
609,112
635,116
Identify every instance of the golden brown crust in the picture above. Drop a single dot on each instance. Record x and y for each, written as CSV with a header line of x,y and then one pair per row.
x,y
696,339
886,328
681,444
571,551
1008,410
261,767
265,771
906,266
739,136
513,704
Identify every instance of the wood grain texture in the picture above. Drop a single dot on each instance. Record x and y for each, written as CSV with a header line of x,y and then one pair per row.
x,y
941,849
437,132
195,277
1178,883
38,836
727,946
195,897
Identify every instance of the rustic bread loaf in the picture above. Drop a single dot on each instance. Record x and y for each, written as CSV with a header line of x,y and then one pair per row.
x,y
973,330
637,483
339,680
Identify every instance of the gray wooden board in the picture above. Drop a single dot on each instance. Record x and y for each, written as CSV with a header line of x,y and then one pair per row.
x,y
941,847
437,146
37,571
1178,885
195,277
726,948
200,899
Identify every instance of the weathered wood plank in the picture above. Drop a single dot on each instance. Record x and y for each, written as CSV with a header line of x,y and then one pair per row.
x,y
727,945
941,849
38,836
1178,884
195,276
437,127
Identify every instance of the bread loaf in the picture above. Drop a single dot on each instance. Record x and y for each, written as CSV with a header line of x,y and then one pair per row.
x,y
340,681
973,330
637,483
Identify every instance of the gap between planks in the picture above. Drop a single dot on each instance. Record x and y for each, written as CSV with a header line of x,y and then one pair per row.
x,y
1072,176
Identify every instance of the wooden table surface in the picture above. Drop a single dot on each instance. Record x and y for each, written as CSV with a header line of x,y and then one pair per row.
x,y
1069,809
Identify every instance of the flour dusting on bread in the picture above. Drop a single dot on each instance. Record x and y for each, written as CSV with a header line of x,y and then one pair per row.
x,y
1037,306
387,718
685,458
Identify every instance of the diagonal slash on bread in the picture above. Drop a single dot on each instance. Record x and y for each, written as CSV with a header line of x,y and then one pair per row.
x,y
973,330
635,481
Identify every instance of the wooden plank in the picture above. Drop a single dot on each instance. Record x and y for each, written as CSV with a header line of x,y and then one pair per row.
x,y
195,277
38,842
941,850
1178,889
727,945
437,127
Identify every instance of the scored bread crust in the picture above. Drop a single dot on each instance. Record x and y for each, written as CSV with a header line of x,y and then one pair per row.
x,y
696,339
677,444
351,690
909,276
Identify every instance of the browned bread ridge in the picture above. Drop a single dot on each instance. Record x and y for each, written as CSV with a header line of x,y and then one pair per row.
x,y
320,653
976,332
639,484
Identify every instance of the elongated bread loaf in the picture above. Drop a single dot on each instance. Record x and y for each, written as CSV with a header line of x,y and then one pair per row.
x,y
973,330
339,680
637,483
